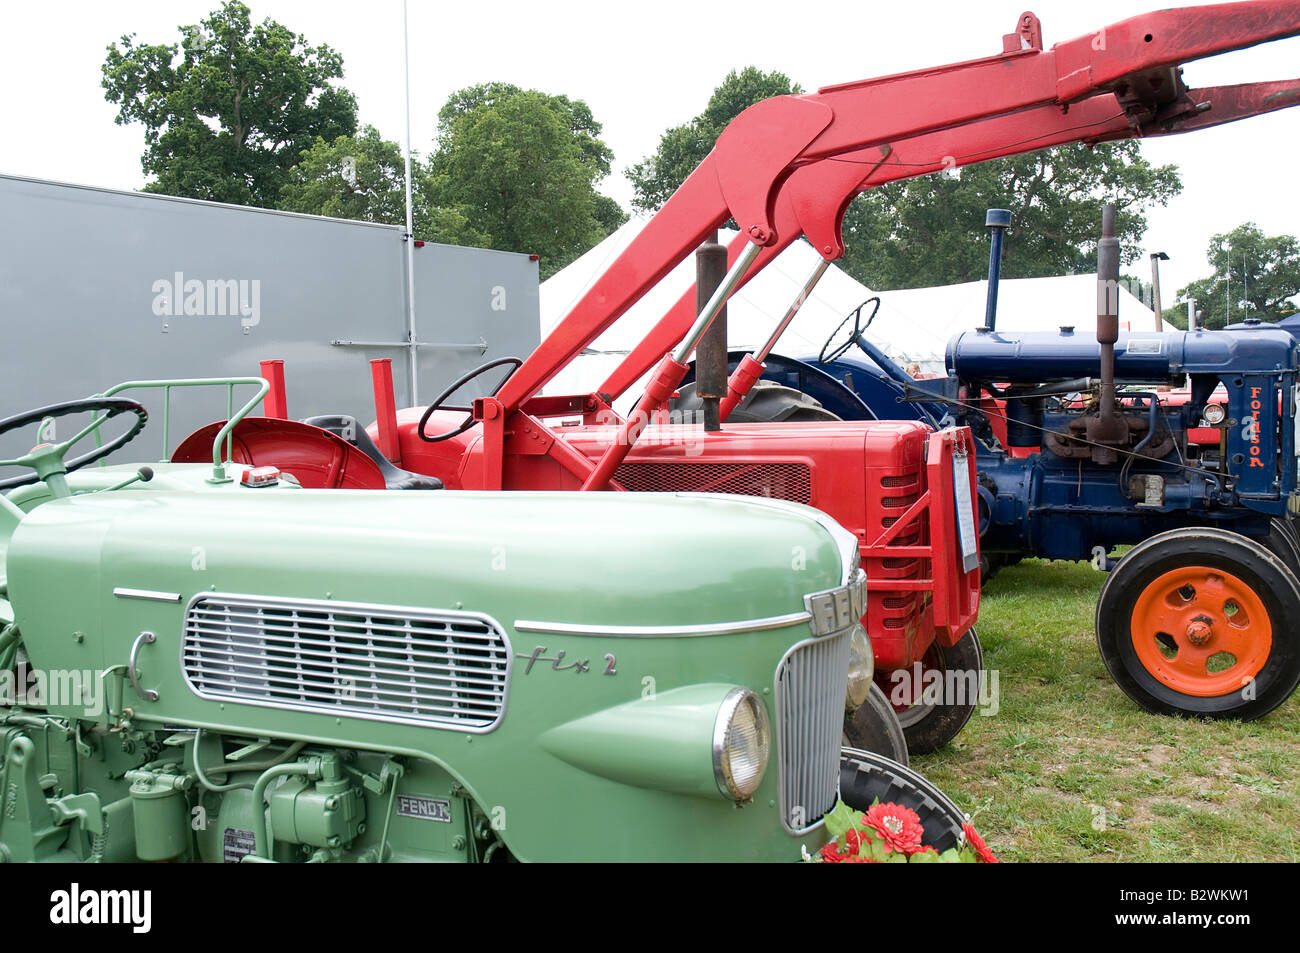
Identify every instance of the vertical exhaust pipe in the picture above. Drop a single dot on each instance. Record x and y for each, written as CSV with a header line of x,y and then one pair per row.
x,y
1108,427
1107,307
711,366
997,221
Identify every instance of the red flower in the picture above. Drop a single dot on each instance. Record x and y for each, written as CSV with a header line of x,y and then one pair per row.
x,y
899,827
981,849
830,854
853,839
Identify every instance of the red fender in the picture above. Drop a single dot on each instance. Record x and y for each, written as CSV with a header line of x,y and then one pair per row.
x,y
317,458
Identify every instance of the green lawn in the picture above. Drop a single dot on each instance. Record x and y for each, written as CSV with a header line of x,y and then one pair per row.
x,y
1070,770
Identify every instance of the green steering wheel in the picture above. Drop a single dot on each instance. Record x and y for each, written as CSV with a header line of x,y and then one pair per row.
x,y
47,460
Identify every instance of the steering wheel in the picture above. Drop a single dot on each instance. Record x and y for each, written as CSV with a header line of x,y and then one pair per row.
x,y
457,385
858,327
47,459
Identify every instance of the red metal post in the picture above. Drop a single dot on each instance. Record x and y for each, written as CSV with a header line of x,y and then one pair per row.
x,y
381,377
275,405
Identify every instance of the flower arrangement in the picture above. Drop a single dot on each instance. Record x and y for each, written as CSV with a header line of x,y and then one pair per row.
x,y
890,833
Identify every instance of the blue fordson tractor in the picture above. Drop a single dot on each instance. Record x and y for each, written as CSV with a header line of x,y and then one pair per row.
x,y
1180,444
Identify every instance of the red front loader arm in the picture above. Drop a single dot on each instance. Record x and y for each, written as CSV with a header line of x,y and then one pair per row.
x,y
742,178
813,200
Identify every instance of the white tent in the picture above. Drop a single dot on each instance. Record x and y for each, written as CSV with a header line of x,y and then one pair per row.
x,y
912,326
1024,304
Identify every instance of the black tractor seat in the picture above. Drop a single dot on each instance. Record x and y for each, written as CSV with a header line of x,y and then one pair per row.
x,y
395,478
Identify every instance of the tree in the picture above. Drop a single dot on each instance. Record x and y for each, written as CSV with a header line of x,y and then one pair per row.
x,y
363,177
1255,276
524,166
684,147
930,230
229,118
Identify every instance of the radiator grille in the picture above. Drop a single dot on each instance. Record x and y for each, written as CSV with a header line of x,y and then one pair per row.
x,y
810,686
781,481
384,663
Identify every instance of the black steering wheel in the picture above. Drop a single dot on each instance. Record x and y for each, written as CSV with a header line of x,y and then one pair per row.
x,y
48,458
457,385
858,327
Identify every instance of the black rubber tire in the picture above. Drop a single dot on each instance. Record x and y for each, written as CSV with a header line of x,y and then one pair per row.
x,y
1284,543
990,563
874,727
1266,574
767,402
929,728
866,777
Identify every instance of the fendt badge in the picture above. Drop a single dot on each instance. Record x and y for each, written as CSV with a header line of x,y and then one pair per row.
x,y
424,808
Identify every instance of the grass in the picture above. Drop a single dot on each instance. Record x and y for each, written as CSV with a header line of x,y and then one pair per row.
x,y
1069,769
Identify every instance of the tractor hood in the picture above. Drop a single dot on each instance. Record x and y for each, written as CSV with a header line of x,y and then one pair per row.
x,y
595,560
1036,356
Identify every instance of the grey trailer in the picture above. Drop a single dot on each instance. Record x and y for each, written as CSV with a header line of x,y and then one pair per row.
x,y
100,286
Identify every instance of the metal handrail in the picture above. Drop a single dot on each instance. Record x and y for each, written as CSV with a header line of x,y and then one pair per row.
x,y
233,417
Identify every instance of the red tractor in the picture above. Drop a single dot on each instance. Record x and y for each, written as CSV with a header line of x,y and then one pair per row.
x,y
787,167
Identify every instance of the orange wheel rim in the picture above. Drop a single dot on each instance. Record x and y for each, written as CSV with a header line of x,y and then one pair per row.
x,y
1201,631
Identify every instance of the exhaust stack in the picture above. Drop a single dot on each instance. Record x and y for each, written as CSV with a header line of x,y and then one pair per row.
x,y
1107,426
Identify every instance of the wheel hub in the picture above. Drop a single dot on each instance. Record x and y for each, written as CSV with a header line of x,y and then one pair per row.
x,y
1201,631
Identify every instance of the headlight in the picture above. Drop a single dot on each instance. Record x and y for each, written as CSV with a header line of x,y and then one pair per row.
x,y
862,668
741,742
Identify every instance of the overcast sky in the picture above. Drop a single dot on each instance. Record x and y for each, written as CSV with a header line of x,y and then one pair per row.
x,y
641,67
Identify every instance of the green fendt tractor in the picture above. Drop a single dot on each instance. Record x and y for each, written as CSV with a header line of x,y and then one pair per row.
x,y
211,663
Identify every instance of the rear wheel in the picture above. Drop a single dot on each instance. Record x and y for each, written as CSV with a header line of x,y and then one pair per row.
x,y
874,727
1284,543
766,402
934,712
866,778
1201,622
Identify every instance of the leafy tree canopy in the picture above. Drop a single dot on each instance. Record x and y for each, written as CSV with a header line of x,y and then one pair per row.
x,y
523,165
684,147
230,109
1255,276
363,177
930,230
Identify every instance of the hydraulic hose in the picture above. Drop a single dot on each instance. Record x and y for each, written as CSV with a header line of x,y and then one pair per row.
x,y
288,753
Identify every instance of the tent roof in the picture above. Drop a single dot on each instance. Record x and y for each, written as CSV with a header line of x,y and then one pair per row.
x,y
912,326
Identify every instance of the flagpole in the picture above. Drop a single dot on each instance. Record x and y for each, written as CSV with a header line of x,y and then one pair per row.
x,y
411,345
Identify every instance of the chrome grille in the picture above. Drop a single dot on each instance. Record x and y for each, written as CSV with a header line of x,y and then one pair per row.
x,y
810,686
435,668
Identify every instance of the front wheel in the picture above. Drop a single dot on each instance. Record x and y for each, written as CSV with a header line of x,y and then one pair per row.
x,y
875,727
935,707
1201,622
866,777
